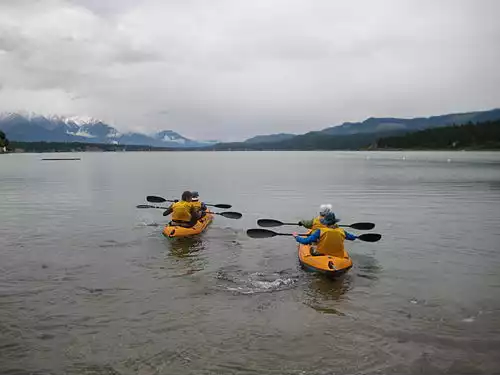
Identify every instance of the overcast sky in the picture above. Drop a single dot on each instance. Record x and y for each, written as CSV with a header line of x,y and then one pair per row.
x,y
230,69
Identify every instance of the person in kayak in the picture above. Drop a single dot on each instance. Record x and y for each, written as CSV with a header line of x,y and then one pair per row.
x,y
200,206
315,223
329,238
184,213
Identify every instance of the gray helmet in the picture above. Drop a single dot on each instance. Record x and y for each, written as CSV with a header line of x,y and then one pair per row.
x,y
330,219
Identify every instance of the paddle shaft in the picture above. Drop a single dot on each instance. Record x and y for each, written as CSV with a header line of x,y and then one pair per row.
x,y
276,223
155,199
266,233
227,215
340,225
345,225
150,206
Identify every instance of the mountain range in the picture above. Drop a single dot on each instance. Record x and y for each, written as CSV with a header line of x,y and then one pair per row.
x,y
270,138
356,135
27,127
349,135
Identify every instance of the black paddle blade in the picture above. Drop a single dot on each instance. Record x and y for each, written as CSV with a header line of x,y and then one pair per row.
x,y
221,205
155,199
362,226
272,223
269,223
370,237
231,215
261,233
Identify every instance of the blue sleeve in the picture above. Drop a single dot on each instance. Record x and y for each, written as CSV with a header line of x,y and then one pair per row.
x,y
350,236
309,240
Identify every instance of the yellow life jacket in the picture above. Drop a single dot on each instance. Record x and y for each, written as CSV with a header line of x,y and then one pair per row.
x,y
181,211
197,205
317,224
331,242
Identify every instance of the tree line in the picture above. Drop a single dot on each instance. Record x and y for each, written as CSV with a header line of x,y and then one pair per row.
x,y
4,142
484,135
78,147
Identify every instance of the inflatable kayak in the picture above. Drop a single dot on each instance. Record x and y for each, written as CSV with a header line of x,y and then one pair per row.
x,y
172,231
325,264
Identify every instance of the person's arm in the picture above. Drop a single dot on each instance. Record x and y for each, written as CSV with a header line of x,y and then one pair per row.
x,y
350,236
168,211
306,223
314,237
203,206
193,210
195,215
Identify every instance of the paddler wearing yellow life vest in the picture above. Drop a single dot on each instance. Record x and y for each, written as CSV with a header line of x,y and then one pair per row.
x,y
316,222
200,206
329,238
184,213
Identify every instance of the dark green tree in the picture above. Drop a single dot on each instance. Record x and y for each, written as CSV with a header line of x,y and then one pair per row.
x,y
4,142
485,135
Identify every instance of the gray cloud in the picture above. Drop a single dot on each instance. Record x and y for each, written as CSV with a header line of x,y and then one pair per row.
x,y
229,69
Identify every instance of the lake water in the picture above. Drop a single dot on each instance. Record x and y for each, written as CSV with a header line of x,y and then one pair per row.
x,y
88,284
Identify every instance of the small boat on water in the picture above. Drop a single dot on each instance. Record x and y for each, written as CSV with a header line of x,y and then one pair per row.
x,y
57,159
173,231
328,265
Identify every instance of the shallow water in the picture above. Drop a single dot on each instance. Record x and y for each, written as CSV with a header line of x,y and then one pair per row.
x,y
89,285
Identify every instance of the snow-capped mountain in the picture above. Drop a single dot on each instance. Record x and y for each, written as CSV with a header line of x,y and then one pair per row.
x,y
30,127
171,136
80,120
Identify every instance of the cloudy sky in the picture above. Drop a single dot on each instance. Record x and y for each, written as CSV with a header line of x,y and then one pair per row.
x,y
230,69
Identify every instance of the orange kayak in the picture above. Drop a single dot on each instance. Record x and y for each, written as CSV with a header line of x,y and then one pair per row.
x,y
325,264
172,231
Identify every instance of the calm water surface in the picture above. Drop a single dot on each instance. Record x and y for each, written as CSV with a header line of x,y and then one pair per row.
x,y
88,285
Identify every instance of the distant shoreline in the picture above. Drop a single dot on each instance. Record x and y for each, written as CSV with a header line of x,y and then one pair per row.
x,y
386,145
205,150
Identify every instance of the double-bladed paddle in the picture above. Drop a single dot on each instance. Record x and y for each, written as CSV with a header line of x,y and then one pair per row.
x,y
155,199
150,206
276,223
266,233
228,214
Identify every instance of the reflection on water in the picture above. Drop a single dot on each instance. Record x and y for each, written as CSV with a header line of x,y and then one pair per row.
x,y
366,266
323,294
186,254
186,247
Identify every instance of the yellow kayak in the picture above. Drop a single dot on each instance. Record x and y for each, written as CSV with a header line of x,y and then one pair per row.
x,y
325,264
172,231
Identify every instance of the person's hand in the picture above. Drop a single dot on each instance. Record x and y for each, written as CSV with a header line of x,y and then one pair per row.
x,y
300,224
295,234
165,213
